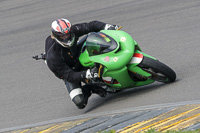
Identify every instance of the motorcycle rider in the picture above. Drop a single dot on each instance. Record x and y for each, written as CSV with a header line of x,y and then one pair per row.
x,y
62,50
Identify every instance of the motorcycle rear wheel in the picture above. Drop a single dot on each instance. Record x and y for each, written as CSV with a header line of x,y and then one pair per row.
x,y
159,71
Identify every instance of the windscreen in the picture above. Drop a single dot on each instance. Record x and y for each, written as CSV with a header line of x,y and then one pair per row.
x,y
99,43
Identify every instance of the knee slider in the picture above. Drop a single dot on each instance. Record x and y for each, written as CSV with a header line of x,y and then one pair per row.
x,y
79,101
77,97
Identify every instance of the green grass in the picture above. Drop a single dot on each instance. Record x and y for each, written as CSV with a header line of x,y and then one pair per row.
x,y
110,131
154,131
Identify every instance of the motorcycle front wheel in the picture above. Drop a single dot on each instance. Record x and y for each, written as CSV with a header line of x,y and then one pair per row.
x,y
159,71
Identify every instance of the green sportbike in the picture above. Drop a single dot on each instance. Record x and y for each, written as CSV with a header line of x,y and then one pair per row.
x,y
121,62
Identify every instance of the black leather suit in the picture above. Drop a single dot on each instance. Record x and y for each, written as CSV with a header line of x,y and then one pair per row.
x,y
64,63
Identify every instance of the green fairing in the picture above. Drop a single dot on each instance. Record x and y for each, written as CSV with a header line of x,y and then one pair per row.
x,y
85,59
121,76
116,62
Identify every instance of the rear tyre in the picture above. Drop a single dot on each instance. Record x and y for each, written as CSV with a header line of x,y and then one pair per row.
x,y
159,71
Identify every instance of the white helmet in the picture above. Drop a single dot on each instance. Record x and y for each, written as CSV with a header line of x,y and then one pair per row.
x,y
60,29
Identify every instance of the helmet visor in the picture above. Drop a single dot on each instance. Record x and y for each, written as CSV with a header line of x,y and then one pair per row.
x,y
66,40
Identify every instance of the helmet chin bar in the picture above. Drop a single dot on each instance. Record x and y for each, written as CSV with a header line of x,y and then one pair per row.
x,y
66,46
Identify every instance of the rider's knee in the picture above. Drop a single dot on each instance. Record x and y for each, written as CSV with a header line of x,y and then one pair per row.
x,y
79,101
78,98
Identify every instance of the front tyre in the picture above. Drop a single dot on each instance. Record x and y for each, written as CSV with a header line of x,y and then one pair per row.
x,y
159,71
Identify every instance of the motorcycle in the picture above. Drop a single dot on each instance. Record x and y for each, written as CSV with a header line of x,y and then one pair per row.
x,y
121,62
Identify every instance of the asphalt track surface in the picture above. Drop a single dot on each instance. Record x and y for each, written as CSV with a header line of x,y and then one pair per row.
x,y
29,93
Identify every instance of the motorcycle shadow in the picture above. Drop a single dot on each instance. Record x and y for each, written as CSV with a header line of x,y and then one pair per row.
x,y
123,95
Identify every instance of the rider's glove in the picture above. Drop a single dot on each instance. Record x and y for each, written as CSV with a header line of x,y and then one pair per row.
x,y
111,27
92,73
